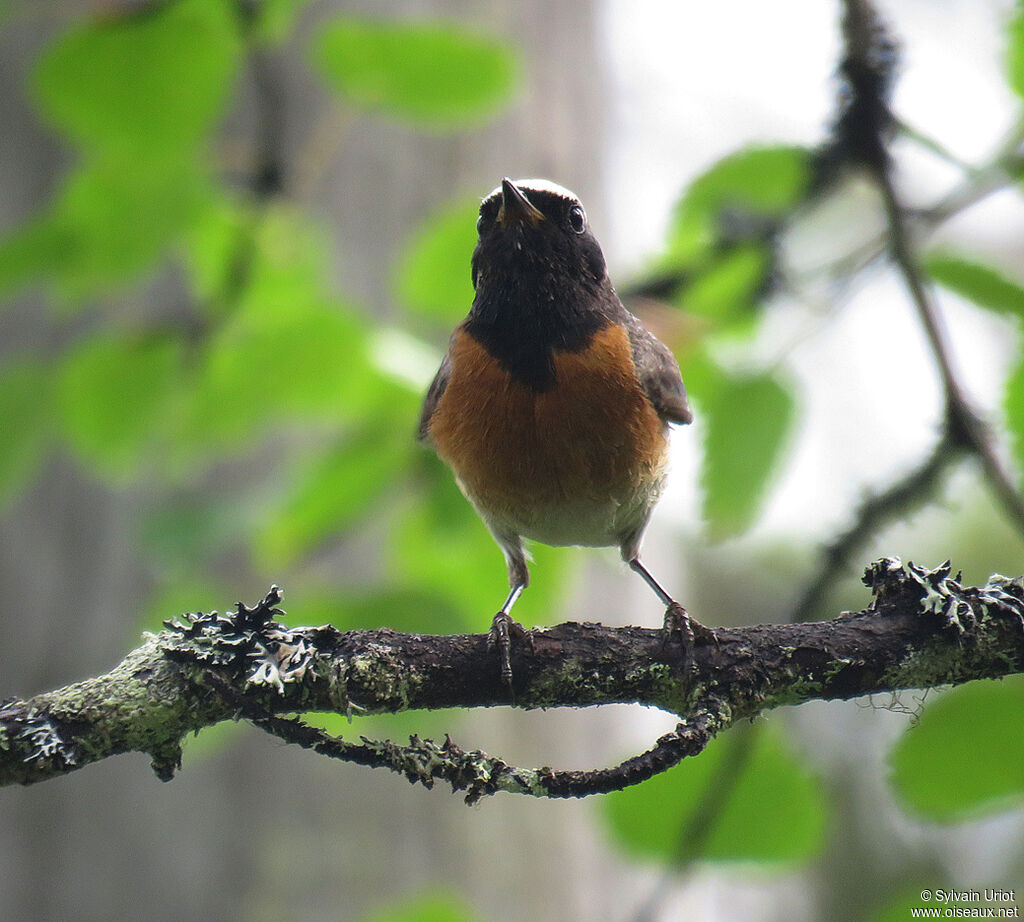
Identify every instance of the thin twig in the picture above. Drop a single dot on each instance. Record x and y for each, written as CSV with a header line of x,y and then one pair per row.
x,y
475,772
935,147
1000,170
867,47
963,422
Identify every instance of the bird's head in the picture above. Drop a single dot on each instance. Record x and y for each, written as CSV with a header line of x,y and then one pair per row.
x,y
533,234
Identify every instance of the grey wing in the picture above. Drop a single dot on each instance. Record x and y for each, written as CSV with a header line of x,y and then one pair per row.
x,y
434,393
658,371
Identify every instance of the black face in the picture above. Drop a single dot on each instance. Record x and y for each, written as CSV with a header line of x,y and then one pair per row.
x,y
558,246
540,279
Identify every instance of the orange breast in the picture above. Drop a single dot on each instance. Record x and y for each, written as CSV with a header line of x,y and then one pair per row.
x,y
580,463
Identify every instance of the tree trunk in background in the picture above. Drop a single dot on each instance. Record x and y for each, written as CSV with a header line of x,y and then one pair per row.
x,y
258,831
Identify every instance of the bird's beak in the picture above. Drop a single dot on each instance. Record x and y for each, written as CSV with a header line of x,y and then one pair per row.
x,y
515,207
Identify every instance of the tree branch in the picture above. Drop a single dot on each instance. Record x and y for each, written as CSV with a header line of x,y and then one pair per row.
x,y
868,66
860,137
922,629
961,418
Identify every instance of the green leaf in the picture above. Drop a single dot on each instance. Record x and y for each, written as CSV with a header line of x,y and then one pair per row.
x,y
118,220
111,221
720,231
411,609
399,726
433,276
692,237
748,418
218,243
1013,403
114,393
337,488
747,187
729,286
906,903
774,794
442,547
289,351
965,757
437,75
440,906
977,282
1015,50
276,19
391,604
31,252
25,394
267,365
145,85
764,181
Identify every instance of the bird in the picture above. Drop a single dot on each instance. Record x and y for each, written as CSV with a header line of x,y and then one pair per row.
x,y
553,403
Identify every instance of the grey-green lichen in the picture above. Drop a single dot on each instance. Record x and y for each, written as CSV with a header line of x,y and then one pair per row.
x,y
964,611
204,668
375,671
278,659
962,608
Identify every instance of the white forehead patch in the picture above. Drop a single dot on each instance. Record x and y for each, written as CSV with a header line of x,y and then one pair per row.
x,y
536,185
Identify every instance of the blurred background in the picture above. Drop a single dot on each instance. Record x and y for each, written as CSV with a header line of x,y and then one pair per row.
x,y
234,237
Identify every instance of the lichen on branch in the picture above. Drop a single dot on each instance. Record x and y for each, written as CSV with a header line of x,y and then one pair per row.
x,y
922,629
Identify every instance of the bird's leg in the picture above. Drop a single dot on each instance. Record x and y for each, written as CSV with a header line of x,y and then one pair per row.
x,y
504,628
678,622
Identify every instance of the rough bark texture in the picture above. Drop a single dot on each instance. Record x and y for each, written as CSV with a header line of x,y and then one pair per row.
x,y
922,629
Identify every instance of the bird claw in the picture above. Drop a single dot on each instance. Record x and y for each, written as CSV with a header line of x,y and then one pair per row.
x,y
678,623
503,630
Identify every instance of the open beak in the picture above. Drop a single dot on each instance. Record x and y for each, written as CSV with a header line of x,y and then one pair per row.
x,y
515,207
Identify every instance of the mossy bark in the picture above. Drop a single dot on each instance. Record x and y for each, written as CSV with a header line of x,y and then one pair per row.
x,y
923,629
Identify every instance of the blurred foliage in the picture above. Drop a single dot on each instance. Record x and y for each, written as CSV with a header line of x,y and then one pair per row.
x,y
719,241
332,492
977,282
1015,50
114,394
747,418
267,356
428,907
719,264
981,769
275,19
1014,406
433,277
989,288
908,904
120,87
767,789
440,76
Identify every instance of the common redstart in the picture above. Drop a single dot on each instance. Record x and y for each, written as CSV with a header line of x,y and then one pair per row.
x,y
553,404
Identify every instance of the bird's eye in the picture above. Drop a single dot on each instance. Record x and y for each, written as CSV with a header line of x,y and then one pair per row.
x,y
480,223
577,219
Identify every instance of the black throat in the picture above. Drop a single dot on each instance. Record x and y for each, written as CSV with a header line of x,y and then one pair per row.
x,y
523,318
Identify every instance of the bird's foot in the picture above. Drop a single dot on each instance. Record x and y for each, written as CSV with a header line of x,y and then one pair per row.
x,y
504,629
678,623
